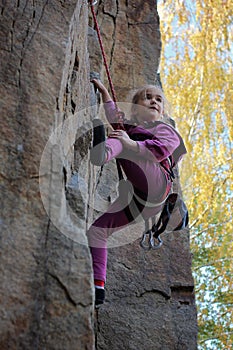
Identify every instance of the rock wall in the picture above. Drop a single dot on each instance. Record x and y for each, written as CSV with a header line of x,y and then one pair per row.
x,y
46,289
49,189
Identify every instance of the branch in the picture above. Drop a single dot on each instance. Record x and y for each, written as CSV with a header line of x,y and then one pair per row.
x,y
211,263
199,217
208,228
197,107
213,338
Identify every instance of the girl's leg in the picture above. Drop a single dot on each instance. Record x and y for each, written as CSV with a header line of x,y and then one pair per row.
x,y
98,233
108,223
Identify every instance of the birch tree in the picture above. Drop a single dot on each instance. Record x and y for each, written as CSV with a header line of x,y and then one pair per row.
x,y
196,71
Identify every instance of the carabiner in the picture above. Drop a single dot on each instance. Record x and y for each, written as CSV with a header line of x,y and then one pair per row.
x,y
157,246
143,240
151,241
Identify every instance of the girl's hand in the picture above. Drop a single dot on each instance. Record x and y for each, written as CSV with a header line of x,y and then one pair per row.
x,y
98,85
102,89
125,139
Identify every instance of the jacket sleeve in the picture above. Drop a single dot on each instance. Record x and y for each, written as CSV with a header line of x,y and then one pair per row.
x,y
110,112
162,145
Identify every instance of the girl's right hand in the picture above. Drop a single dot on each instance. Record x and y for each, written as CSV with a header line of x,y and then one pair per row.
x,y
126,141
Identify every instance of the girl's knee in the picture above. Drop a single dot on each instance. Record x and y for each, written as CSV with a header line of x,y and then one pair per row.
x,y
97,237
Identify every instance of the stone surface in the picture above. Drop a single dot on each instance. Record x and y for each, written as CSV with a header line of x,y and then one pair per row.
x,y
46,287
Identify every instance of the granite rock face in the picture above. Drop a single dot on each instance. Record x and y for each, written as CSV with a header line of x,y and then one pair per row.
x,y
46,288
50,192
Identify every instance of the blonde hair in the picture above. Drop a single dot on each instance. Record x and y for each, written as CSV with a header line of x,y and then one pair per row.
x,y
141,94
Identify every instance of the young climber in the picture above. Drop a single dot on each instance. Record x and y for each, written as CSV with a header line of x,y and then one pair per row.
x,y
145,149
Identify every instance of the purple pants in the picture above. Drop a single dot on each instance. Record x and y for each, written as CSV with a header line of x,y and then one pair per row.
x,y
144,175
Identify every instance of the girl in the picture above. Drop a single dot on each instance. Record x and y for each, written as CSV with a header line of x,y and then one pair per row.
x,y
146,149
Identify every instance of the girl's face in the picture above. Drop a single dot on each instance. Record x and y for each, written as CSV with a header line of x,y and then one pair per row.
x,y
150,105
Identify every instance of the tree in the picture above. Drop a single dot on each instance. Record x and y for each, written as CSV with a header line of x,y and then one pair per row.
x,y
196,69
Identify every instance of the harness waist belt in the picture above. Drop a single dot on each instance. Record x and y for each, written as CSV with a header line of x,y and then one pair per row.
x,y
149,204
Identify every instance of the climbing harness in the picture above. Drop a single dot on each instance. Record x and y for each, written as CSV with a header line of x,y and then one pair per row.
x,y
120,115
173,216
167,165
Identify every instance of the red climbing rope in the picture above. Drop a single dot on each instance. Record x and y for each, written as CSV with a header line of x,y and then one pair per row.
x,y
120,114
103,52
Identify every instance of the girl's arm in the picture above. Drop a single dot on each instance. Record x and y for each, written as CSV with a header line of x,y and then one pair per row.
x,y
111,115
102,89
109,105
164,143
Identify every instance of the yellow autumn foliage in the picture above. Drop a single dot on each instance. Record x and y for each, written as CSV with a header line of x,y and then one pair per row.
x,y
197,74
